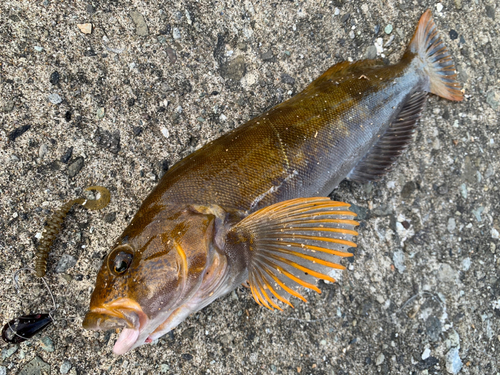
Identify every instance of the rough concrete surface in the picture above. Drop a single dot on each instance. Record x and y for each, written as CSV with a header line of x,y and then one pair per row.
x,y
154,81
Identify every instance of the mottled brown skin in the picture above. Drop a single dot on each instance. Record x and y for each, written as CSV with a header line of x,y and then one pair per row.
x,y
301,148
320,133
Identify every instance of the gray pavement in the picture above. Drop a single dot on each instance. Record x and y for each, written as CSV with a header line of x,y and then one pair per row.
x,y
154,81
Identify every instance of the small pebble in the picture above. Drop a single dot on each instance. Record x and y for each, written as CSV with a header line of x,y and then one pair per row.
x,y
55,98
3,370
426,354
285,78
380,359
47,344
9,106
453,34
141,28
164,368
493,99
54,77
137,130
453,362
463,190
67,155
388,29
65,263
371,52
379,43
7,352
67,277
42,151
477,213
110,217
17,132
490,11
101,112
389,42
85,28
172,56
65,367
466,263
399,261
75,167
165,165
451,224
494,234
439,7
165,132
38,48
176,33
345,17
34,367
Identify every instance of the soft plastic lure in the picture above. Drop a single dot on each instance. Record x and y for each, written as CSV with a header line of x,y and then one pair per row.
x,y
53,225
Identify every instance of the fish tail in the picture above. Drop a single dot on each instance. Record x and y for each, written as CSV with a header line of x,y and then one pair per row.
x,y
438,64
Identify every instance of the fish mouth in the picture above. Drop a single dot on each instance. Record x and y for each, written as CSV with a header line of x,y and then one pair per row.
x,y
124,314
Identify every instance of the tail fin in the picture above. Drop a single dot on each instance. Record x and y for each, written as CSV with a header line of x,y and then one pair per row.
x,y
439,66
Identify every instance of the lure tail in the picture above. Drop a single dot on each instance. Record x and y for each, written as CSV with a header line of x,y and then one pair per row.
x,y
438,64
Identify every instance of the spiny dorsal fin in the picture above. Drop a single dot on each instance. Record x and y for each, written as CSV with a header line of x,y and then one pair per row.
x,y
382,156
291,244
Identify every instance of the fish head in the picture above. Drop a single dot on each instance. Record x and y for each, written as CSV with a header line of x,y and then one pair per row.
x,y
147,282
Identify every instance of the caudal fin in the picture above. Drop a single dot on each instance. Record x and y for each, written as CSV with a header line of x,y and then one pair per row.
x,y
439,66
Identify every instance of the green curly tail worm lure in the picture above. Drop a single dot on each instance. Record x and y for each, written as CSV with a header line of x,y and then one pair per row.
x,y
53,225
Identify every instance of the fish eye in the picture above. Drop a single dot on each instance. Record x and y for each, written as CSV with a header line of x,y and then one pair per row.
x,y
120,259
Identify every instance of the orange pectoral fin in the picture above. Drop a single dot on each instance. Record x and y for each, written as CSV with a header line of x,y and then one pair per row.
x,y
294,243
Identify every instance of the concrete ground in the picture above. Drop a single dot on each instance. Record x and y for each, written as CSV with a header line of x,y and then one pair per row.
x,y
154,81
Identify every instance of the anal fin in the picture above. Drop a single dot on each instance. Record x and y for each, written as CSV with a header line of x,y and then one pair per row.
x,y
293,243
381,157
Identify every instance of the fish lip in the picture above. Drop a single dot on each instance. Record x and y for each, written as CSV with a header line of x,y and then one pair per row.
x,y
101,321
120,314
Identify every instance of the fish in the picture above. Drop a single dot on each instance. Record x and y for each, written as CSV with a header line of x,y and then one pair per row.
x,y
252,206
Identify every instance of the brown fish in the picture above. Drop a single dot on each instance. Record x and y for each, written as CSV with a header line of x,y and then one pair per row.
x,y
248,206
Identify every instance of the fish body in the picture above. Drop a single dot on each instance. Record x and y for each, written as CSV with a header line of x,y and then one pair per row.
x,y
250,205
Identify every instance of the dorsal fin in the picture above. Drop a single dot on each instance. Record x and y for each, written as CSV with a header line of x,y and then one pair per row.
x,y
382,156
